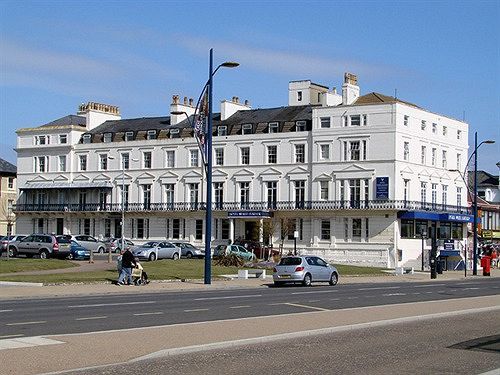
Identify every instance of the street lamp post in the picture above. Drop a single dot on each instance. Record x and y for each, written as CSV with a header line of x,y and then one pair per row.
x,y
423,234
206,149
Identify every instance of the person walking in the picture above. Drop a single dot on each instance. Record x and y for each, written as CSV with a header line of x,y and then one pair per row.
x,y
128,262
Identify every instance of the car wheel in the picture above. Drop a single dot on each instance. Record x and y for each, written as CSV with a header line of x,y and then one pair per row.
x,y
334,279
175,256
307,280
12,252
152,257
101,250
44,254
189,255
70,257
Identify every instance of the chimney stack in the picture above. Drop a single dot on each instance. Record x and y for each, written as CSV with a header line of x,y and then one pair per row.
x,y
350,89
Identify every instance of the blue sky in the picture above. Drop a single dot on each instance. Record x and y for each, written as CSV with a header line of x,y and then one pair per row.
x,y
54,55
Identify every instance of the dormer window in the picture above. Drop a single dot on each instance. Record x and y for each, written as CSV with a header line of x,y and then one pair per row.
x,y
108,137
300,126
246,129
221,131
129,136
151,134
87,138
174,133
42,140
273,127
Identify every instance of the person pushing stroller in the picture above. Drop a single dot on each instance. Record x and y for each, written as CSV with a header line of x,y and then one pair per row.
x,y
139,276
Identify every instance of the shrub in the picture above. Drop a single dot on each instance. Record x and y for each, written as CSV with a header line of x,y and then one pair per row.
x,y
230,260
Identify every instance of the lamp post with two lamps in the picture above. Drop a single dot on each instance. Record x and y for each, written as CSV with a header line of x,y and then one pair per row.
x,y
206,152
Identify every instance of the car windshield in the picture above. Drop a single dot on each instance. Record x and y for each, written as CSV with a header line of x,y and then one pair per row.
x,y
63,240
150,244
290,261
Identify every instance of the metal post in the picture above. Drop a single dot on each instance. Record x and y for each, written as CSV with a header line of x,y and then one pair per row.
x,y
474,224
423,238
123,203
208,216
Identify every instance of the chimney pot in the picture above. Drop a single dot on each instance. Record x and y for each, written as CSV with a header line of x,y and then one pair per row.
x,y
185,100
247,103
175,99
191,102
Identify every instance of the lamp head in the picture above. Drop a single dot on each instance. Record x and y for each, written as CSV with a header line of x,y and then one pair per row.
x,y
489,141
229,64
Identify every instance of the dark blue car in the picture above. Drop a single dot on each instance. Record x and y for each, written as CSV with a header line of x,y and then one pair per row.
x,y
78,251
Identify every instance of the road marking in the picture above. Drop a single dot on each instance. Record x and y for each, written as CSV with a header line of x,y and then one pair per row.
x,y
26,342
317,291
195,310
380,288
352,297
416,293
428,292
92,318
471,288
111,304
5,310
149,313
240,307
228,297
394,294
427,285
314,300
334,299
10,336
25,323
441,291
306,307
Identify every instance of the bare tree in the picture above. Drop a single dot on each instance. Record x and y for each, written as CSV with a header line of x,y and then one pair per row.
x,y
8,214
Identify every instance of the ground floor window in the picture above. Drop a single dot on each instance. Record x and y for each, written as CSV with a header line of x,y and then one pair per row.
x,y
225,229
107,228
407,228
142,228
457,231
444,231
176,228
356,229
199,229
325,229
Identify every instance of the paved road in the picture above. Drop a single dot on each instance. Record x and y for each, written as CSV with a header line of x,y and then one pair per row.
x,y
453,345
50,316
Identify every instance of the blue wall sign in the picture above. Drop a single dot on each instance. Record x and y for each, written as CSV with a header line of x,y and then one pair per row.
x,y
249,214
382,188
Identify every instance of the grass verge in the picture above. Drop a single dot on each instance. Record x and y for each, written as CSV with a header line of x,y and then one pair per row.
x,y
13,265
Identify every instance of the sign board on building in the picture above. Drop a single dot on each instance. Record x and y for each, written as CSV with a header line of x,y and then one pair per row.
x,y
457,217
382,188
449,244
249,214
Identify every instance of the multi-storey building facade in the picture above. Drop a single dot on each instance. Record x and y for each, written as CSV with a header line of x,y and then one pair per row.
x,y
357,178
8,196
488,201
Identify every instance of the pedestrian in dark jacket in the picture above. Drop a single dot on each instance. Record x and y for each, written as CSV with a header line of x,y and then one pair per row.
x,y
128,262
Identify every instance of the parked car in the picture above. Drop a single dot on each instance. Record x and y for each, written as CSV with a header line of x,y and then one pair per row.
x,y
114,244
154,250
88,242
237,250
77,251
6,240
43,245
261,252
304,269
189,251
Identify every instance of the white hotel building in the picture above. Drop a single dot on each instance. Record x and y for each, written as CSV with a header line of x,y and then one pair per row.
x,y
358,177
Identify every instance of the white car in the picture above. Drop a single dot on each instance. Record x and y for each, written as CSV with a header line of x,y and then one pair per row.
x,y
88,242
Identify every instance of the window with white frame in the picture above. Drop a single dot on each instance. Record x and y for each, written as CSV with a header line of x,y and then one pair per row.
x,y
323,190
193,193
354,150
62,163
103,162
444,194
87,138
345,120
218,194
194,160
108,137
272,154
245,155
246,129
300,153
423,191
299,96
406,120
219,156
83,163
151,134
459,162
433,157
63,139
324,152
42,140
434,128
125,156
364,120
434,194
406,190
244,194
169,193
445,130
355,120
423,155
129,136
406,151
272,193
423,124
170,157
324,122
147,159
356,229
10,183
444,163
300,193
325,230
300,126
174,133
146,195
273,127
221,131
459,196
346,229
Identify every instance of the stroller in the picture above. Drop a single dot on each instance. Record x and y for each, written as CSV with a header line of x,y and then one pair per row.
x,y
139,276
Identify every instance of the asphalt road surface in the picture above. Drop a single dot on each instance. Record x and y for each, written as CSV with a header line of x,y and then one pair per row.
x,y
469,344
51,316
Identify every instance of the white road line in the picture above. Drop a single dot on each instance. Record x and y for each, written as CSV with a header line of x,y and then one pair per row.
x,y
352,297
317,291
111,304
92,318
149,313
314,300
26,342
229,297
380,288
441,291
195,310
240,307
417,293
307,307
471,288
427,285
10,336
334,299
429,292
5,310
26,323
394,294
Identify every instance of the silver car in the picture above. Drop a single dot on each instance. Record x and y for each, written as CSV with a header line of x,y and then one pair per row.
x,y
154,250
304,269
189,251
88,242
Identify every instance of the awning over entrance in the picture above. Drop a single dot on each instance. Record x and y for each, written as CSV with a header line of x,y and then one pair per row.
x,y
67,185
249,214
434,216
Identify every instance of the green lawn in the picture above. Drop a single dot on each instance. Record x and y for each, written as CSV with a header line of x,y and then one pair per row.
x,y
24,264
159,270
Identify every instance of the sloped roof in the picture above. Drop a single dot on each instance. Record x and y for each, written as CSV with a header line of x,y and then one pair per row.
x,y
377,98
7,168
132,125
67,120
483,179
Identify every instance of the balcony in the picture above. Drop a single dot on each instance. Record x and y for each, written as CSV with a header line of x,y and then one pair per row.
x,y
380,205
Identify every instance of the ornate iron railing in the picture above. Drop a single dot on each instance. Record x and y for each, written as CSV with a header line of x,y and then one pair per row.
x,y
248,206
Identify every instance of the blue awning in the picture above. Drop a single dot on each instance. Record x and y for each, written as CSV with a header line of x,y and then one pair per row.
x,y
434,216
449,253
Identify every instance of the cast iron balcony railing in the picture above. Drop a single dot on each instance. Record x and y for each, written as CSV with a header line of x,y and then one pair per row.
x,y
380,205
